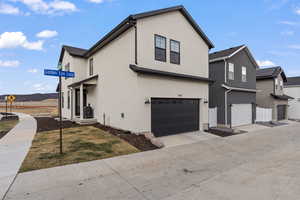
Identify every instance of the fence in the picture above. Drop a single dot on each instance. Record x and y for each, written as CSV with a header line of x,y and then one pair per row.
x,y
263,114
213,115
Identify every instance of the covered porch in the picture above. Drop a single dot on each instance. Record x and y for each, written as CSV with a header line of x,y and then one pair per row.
x,y
83,100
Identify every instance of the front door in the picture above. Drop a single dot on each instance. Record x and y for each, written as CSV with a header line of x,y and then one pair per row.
x,y
77,101
281,112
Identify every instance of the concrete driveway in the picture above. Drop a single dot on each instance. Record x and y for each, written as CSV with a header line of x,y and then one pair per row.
x,y
257,165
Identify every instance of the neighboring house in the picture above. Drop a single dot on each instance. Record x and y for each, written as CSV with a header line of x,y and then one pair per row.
x,y
269,82
234,89
150,73
292,88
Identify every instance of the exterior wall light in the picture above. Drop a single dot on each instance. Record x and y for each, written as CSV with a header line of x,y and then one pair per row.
x,y
147,101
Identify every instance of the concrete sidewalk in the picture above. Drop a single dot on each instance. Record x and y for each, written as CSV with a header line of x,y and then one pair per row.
x,y
13,149
258,165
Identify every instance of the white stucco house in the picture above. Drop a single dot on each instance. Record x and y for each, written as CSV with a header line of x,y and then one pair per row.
x,y
292,88
149,74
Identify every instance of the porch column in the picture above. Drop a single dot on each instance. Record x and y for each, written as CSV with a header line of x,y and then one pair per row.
x,y
81,101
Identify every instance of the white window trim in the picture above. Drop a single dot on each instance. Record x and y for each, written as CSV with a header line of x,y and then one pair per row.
x,y
91,74
230,71
244,69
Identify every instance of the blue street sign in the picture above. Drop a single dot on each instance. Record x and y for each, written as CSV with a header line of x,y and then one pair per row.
x,y
51,72
67,74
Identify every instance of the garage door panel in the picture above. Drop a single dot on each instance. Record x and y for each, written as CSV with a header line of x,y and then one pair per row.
x,y
172,116
241,114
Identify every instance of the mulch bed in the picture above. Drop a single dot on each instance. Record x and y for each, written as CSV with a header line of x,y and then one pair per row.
x,y
272,124
224,132
50,124
138,141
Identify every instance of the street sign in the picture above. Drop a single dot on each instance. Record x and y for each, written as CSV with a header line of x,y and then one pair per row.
x,y
59,73
67,74
51,72
11,98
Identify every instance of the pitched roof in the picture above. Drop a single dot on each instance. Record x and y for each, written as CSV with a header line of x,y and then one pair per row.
x,y
271,72
149,71
130,21
282,97
74,51
224,53
293,81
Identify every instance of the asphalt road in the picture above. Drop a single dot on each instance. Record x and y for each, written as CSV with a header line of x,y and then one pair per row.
x,y
260,165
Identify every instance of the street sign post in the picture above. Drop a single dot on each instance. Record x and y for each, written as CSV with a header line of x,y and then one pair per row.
x,y
59,73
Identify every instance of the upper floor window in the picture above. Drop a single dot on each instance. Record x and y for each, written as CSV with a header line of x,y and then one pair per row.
x,y
62,100
67,68
244,74
281,85
276,83
91,67
160,48
69,99
231,71
174,52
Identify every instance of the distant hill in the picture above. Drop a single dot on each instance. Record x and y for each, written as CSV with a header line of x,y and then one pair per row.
x,y
32,97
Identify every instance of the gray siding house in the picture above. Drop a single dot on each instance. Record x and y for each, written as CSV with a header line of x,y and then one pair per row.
x,y
270,83
234,89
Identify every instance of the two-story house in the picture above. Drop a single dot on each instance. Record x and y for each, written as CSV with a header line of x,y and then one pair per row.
x,y
270,83
149,74
234,89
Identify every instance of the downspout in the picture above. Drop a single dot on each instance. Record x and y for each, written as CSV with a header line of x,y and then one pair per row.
x,y
225,70
135,43
226,107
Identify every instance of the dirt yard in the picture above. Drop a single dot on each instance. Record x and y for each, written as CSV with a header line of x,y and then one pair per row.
x,y
47,107
80,144
7,123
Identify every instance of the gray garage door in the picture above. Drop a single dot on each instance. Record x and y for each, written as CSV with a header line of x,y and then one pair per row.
x,y
173,116
241,114
281,112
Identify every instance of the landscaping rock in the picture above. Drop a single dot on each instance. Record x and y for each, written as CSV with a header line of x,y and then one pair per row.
x,y
149,135
156,142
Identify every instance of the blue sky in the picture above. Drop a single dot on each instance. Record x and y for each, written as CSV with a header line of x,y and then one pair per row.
x,y
32,32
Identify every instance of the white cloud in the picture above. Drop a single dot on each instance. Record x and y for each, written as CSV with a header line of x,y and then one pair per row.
x,y
265,63
297,11
96,1
287,33
47,34
8,9
294,46
32,70
53,7
18,39
9,63
288,23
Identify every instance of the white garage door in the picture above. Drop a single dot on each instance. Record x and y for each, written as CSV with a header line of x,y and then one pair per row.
x,y
241,114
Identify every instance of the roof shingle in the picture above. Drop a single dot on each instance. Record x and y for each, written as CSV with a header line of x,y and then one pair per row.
x,y
293,81
271,72
224,53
